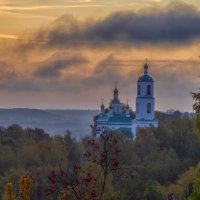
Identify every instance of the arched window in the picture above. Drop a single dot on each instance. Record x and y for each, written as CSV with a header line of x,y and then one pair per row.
x,y
148,90
138,90
148,108
137,108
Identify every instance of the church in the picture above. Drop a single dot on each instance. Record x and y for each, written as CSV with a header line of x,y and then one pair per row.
x,y
118,116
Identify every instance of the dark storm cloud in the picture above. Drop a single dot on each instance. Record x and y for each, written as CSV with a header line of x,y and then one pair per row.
x,y
53,68
175,24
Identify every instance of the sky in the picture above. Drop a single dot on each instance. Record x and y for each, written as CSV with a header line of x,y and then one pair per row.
x,y
67,54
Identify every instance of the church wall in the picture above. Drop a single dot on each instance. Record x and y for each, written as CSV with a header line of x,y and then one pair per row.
x,y
141,111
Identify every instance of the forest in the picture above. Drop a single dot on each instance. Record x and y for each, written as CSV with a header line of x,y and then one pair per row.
x,y
160,163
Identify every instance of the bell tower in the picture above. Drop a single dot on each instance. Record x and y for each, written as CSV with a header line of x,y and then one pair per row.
x,y
145,102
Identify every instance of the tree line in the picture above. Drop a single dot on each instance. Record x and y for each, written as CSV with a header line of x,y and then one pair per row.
x,y
160,163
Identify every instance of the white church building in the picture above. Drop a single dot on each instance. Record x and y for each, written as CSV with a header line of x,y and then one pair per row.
x,y
118,116
145,103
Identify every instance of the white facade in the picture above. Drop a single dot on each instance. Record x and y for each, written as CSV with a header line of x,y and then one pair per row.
x,y
145,103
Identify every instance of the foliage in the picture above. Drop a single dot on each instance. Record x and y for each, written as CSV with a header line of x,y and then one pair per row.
x,y
152,191
196,108
9,191
160,160
195,195
90,181
25,185
182,187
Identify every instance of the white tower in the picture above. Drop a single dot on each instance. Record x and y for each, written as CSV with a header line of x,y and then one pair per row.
x,y
145,103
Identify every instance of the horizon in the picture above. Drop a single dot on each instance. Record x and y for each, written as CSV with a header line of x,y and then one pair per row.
x,y
83,109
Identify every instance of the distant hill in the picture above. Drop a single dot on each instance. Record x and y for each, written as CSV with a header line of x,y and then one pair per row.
x,y
52,121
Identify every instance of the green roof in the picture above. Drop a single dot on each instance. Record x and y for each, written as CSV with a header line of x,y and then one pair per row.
x,y
103,118
119,118
115,118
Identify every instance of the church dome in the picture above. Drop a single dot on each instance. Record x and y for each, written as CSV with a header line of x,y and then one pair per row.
x,y
145,78
116,91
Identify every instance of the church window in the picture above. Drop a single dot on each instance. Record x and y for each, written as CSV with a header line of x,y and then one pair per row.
x,y
148,90
137,108
138,90
148,108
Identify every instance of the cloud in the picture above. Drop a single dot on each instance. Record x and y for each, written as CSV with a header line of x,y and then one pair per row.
x,y
111,61
53,68
59,73
174,80
105,71
6,72
97,53
44,7
174,25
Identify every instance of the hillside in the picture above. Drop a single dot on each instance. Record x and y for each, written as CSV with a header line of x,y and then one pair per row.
x,y
52,121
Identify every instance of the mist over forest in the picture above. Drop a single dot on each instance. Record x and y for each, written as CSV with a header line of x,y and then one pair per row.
x,y
54,122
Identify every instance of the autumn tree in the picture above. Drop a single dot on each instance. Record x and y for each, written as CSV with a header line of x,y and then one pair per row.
x,y
9,193
88,181
196,108
25,185
195,195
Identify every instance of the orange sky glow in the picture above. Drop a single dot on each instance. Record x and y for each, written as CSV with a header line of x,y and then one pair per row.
x,y
68,54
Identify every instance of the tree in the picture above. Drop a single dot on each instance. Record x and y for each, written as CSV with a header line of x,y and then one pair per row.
x,y
146,143
182,187
9,194
195,195
88,181
196,108
7,159
16,132
152,191
25,185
